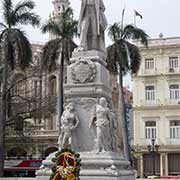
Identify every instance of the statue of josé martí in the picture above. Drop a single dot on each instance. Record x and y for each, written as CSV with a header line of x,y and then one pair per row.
x,y
91,26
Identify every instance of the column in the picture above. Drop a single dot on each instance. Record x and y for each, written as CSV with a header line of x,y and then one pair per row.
x,y
163,164
140,167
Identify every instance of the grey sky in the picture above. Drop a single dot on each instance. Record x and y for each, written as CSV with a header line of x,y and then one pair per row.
x,y
158,15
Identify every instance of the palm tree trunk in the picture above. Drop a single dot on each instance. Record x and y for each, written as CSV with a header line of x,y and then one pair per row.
x,y
3,113
123,116
60,100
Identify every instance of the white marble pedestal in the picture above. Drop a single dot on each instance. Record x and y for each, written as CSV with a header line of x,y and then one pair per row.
x,y
102,166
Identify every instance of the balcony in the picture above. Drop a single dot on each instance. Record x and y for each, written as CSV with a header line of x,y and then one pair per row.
x,y
46,133
172,102
173,141
146,142
171,71
149,72
155,102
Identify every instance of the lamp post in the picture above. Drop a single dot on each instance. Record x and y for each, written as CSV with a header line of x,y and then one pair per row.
x,y
153,150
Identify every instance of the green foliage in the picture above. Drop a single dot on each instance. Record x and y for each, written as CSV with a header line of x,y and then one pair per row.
x,y
13,40
122,52
64,29
77,159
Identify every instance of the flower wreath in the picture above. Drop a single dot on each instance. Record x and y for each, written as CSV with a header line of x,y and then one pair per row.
x,y
67,165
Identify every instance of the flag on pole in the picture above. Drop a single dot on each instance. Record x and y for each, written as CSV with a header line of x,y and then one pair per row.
x,y
137,14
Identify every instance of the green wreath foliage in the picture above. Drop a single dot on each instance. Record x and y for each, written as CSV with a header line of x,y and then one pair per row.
x,y
76,172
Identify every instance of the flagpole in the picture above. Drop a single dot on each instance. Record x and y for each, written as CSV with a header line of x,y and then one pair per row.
x,y
134,19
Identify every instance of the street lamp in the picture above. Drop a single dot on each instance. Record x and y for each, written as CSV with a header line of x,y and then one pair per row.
x,y
153,150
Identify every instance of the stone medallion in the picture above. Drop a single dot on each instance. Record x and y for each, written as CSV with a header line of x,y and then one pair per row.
x,y
83,71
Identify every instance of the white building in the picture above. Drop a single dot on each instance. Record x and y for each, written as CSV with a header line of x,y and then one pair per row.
x,y
156,108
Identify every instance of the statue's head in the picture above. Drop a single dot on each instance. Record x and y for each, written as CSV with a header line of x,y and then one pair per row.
x,y
103,101
71,106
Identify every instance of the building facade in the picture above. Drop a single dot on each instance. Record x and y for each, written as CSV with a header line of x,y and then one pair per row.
x,y
156,109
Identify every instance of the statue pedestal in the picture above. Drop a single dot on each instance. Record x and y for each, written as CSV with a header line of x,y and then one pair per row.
x,y
87,76
102,166
88,80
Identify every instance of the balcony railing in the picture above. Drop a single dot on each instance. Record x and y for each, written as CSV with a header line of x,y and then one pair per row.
x,y
171,141
172,101
149,72
46,133
146,142
172,70
155,102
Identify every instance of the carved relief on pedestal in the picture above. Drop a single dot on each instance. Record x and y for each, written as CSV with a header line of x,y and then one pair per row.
x,y
83,71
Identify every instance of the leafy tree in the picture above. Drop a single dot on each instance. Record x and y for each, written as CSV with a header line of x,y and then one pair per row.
x,y
15,50
59,50
123,57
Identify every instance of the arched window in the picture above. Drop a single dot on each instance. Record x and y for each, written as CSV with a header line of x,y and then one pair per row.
x,y
19,88
52,85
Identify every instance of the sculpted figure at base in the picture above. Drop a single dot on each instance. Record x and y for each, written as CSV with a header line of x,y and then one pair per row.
x,y
69,122
92,24
101,121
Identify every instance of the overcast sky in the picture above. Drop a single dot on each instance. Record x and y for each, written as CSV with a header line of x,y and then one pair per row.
x,y
158,15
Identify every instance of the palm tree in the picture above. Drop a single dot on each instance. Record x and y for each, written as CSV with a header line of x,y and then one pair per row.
x,y
15,50
59,50
124,57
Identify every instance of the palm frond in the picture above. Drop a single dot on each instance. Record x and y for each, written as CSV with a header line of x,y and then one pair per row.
x,y
64,27
28,18
23,6
118,56
22,47
112,59
2,36
51,27
9,52
50,54
70,29
114,32
69,48
132,32
2,26
135,57
7,6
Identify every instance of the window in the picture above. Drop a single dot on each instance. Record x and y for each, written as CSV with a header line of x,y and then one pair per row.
x,y
173,62
174,91
149,63
150,129
175,129
36,87
150,92
52,85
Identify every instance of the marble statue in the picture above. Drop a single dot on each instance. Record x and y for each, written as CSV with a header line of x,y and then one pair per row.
x,y
101,120
69,122
91,26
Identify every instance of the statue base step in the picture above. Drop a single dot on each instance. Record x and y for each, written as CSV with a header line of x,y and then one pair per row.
x,y
101,166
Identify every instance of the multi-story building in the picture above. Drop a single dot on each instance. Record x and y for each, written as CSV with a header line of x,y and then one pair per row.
x,y
156,108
